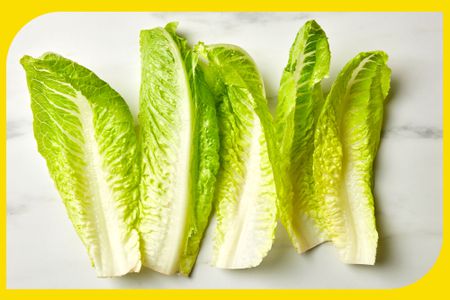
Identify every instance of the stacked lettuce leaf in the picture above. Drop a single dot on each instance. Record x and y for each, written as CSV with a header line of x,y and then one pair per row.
x,y
85,132
179,145
246,191
330,146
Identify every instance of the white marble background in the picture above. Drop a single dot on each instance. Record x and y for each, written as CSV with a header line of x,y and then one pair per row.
x,y
43,250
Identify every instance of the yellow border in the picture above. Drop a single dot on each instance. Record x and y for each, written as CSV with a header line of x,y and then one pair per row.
x,y
15,14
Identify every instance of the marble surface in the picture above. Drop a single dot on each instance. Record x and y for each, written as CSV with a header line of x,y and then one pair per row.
x,y
43,250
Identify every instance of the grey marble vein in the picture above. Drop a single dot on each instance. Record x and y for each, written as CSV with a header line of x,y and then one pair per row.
x,y
411,131
429,233
232,20
17,128
16,209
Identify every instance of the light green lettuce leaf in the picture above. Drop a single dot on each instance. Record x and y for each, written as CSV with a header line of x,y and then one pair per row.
x,y
346,143
179,147
205,159
299,102
245,192
85,132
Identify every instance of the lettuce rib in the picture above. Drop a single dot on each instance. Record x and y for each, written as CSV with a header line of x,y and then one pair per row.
x,y
85,132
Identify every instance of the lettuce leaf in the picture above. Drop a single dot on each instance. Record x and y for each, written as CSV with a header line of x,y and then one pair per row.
x,y
85,132
245,193
346,142
179,147
300,100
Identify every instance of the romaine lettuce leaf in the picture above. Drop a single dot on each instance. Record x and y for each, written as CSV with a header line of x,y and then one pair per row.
x,y
245,192
346,142
85,132
299,102
179,146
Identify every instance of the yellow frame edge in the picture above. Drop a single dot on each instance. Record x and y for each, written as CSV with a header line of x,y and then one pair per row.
x,y
16,14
